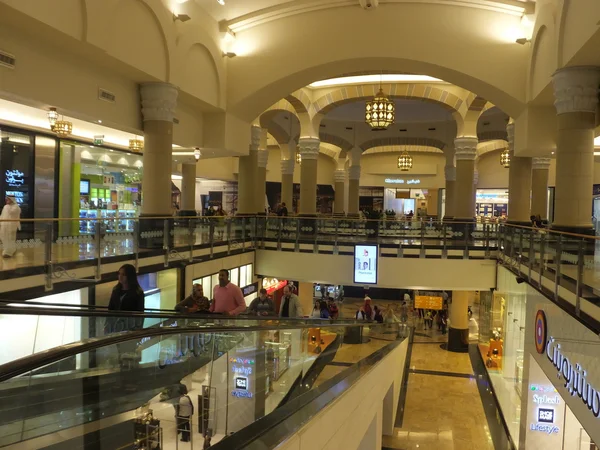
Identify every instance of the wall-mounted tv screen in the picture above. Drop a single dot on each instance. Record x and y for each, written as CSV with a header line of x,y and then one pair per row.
x,y
365,264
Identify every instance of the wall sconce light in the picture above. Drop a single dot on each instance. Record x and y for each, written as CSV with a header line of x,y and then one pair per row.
x,y
522,41
182,17
197,154
229,54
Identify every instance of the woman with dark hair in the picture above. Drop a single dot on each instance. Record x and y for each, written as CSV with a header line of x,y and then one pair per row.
x,y
127,295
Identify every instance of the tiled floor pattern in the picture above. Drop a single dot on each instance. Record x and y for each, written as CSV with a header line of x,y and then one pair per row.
x,y
443,410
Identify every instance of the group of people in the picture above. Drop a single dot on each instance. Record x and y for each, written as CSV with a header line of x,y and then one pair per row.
x,y
374,313
325,309
440,317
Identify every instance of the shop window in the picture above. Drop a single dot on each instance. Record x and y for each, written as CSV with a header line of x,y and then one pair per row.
x,y
16,164
235,275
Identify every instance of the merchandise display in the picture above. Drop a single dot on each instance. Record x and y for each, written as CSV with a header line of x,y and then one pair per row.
x,y
148,433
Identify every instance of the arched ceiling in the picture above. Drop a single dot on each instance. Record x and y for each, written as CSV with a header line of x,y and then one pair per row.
x,y
407,110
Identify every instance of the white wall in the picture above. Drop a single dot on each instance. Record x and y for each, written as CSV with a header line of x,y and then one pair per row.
x,y
411,273
354,420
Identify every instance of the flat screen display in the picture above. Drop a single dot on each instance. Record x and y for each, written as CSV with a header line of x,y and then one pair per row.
x,y
365,264
84,187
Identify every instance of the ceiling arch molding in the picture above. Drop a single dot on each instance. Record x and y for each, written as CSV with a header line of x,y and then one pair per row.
x,y
410,141
492,135
282,106
418,91
402,148
335,140
490,146
300,100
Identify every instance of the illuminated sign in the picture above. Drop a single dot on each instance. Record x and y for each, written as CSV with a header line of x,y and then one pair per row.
x,y
574,376
241,361
365,264
99,139
273,284
241,369
545,415
18,195
15,178
241,394
241,383
402,181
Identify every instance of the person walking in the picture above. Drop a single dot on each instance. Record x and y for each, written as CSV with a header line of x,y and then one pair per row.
x,y
290,304
428,319
404,312
196,302
262,305
8,230
334,311
183,414
367,308
324,310
377,316
227,297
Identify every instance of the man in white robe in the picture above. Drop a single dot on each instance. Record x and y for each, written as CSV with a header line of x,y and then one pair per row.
x,y
8,230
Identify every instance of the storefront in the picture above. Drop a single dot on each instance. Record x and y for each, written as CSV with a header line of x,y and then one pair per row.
x,y
243,276
518,329
97,182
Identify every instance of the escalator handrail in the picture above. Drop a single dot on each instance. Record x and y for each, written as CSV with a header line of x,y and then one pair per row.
x,y
34,311
28,363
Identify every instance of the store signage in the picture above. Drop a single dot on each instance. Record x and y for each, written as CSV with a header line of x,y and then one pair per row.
x,y
108,179
250,289
573,375
273,284
402,181
18,195
545,397
241,394
241,383
241,361
428,302
241,369
99,139
14,178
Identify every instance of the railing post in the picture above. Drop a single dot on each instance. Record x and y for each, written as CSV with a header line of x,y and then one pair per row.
x,y
297,243
243,233
279,232
444,241
422,255
98,241
335,239
229,236
48,256
531,256
466,250
558,264
316,230
542,252
580,269
211,236
136,243
166,240
486,234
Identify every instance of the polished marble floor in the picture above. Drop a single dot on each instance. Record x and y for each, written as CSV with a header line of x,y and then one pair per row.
x,y
443,408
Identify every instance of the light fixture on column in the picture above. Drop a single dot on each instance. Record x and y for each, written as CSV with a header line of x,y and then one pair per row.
x,y
380,111
197,154
505,158
181,17
136,145
405,161
52,117
298,157
229,54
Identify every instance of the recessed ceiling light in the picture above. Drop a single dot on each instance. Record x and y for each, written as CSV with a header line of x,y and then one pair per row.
x,y
99,121
221,2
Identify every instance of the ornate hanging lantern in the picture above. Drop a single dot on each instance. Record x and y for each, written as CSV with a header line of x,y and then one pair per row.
x,y
505,158
405,161
380,112
62,128
136,145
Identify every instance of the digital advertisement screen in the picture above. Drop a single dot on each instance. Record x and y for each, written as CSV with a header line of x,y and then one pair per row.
x,y
365,264
84,187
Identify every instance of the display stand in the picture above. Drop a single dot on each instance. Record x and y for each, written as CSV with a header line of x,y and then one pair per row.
x,y
148,433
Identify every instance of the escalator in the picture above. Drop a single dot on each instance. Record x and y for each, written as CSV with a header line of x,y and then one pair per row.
x,y
69,396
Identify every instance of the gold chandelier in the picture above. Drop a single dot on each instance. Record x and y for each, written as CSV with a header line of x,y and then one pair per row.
x,y
379,113
136,145
405,161
505,158
62,127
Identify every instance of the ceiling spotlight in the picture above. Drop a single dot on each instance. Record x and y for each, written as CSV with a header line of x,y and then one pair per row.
x,y
182,17
522,41
229,54
197,154
221,2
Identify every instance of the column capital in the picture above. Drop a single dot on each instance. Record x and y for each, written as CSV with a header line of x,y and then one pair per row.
x,y
576,89
262,158
466,148
255,135
159,101
540,163
354,173
309,148
510,131
339,175
450,172
287,166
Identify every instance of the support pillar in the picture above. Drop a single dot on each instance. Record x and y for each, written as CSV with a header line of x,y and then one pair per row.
x,y
539,187
306,296
458,333
188,190
450,172
309,150
353,190
519,184
247,175
340,178
466,152
576,102
287,184
159,101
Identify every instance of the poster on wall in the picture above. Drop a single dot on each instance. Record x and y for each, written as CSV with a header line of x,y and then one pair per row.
x,y
365,264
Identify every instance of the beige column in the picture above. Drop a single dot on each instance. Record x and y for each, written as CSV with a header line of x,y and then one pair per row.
x,y
432,203
458,332
309,150
466,152
519,183
188,188
306,295
539,187
260,189
287,183
247,175
576,102
450,172
159,101
340,179
353,190
475,181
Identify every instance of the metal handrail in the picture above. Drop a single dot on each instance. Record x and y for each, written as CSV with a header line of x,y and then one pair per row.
x,y
28,363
